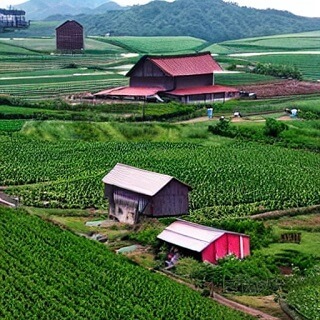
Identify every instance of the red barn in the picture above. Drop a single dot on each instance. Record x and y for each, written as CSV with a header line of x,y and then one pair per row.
x,y
187,78
133,192
69,37
208,244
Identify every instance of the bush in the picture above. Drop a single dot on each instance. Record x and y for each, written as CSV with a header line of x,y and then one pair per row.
x,y
147,235
273,127
280,71
260,235
223,128
255,274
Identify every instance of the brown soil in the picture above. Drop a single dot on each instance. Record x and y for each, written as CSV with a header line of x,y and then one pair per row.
x,y
283,88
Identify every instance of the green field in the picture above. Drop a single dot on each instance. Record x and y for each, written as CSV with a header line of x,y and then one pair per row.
x,y
106,60
21,46
156,45
308,64
54,155
287,42
48,273
301,50
230,179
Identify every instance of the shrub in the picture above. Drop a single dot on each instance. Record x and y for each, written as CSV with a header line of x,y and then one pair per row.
x,y
223,128
260,235
273,127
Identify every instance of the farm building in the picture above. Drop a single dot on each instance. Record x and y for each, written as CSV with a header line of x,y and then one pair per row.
x,y
186,78
133,192
12,19
205,243
69,37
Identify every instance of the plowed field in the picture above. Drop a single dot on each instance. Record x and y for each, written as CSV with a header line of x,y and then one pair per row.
x,y
283,88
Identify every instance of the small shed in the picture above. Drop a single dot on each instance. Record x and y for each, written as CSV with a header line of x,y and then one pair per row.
x,y
133,192
206,243
69,37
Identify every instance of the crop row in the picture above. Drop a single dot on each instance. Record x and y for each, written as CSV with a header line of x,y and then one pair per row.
x,y
11,125
47,273
305,62
34,63
304,294
238,179
156,44
60,88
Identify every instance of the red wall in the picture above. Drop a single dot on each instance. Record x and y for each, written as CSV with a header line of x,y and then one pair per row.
x,y
69,37
228,243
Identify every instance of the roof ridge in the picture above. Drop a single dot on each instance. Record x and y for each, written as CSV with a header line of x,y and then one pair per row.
x,y
182,55
144,170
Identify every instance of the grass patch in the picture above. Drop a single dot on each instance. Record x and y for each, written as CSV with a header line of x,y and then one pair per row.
x,y
156,45
308,225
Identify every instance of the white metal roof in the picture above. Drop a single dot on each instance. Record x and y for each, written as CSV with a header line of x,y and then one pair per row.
x,y
190,235
137,180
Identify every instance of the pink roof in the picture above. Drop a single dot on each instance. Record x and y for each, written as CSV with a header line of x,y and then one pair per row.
x,y
202,90
131,91
192,236
183,65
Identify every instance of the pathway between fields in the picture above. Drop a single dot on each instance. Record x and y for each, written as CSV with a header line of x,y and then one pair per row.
x,y
228,303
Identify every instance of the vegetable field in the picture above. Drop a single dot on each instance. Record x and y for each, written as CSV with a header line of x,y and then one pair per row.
x,y
308,64
48,273
304,294
236,179
288,42
156,45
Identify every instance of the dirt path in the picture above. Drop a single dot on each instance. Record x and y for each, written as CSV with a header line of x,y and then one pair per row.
x,y
226,302
237,306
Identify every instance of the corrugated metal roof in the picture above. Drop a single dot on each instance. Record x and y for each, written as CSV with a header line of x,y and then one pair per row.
x,y
182,65
187,64
131,91
137,180
183,241
190,235
202,90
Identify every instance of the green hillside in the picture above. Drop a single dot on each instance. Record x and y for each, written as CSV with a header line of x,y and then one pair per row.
x,y
156,45
212,20
48,273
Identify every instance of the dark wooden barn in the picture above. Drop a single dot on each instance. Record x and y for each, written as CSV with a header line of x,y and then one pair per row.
x,y
205,243
133,192
70,37
13,19
186,78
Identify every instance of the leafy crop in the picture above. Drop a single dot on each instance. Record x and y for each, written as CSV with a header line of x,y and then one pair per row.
x,y
234,180
48,273
304,294
156,45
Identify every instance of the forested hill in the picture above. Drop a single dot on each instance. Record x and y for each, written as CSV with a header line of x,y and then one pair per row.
x,y
212,20
39,9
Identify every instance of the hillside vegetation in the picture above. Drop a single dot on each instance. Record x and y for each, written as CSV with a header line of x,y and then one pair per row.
x,y
48,273
212,20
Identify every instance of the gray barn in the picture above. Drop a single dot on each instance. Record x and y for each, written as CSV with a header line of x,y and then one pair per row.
x,y
133,192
